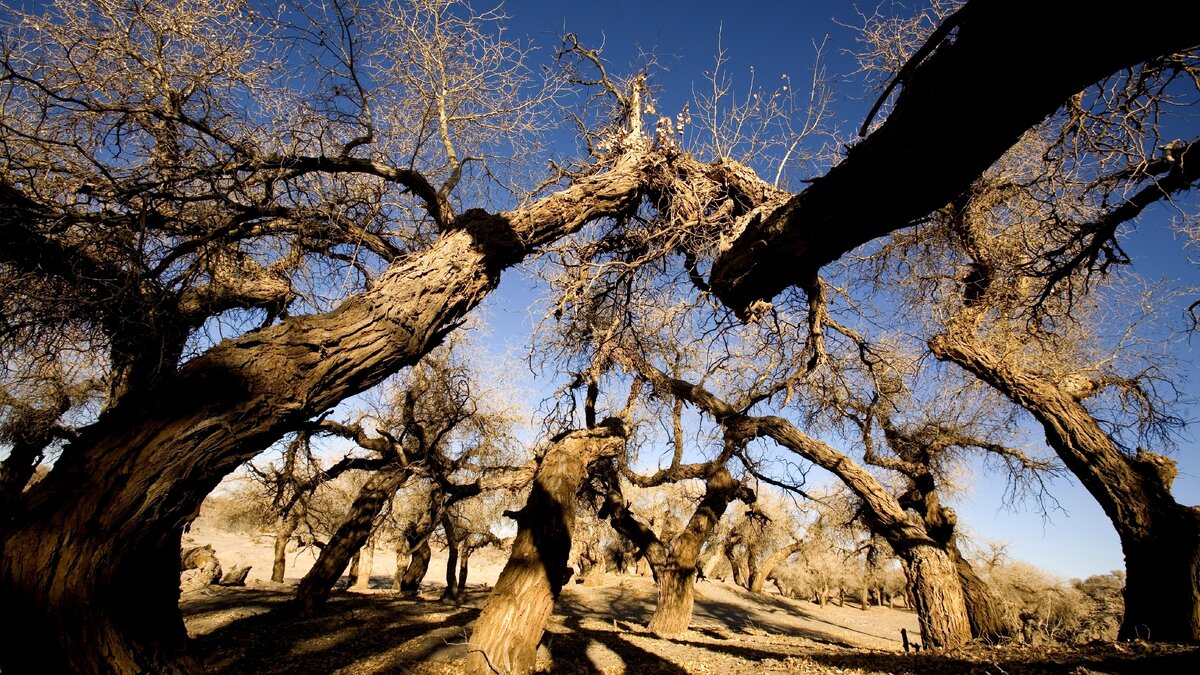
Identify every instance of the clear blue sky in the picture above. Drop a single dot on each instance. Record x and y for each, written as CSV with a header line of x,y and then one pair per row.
x,y
777,37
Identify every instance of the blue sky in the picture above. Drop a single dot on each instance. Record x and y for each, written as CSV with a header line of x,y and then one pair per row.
x,y
777,38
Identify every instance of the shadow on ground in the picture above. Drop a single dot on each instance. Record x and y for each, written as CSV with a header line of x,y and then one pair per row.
x,y
255,630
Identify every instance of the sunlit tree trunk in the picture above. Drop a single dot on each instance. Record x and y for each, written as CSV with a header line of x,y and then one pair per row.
x,y
366,561
284,529
1160,537
510,626
677,578
938,597
760,571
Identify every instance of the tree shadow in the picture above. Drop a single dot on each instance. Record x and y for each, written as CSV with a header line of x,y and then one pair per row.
x,y
350,629
569,652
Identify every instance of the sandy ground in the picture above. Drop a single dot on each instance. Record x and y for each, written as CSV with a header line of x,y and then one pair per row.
x,y
235,549
596,628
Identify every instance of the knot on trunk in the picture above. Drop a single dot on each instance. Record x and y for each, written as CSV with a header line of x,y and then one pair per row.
x,y
1162,470
492,235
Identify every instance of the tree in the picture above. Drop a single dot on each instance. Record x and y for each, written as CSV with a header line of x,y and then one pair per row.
x,y
674,557
162,178
510,626
1158,535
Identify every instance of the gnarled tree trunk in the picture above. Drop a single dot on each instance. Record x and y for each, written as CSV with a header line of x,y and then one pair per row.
x,y
988,614
350,536
416,537
1160,537
761,571
938,597
677,578
510,626
90,560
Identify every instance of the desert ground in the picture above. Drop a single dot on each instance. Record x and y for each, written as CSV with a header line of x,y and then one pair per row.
x,y
597,628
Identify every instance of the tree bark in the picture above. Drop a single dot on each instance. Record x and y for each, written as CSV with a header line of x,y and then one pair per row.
x,y
414,572
761,571
418,553
737,563
366,561
352,572
284,529
462,572
1159,536
884,514
510,626
677,578
350,536
450,594
932,132
938,597
122,492
990,621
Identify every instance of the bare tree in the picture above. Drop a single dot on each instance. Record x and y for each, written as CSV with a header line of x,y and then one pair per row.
x,y
1065,389
162,176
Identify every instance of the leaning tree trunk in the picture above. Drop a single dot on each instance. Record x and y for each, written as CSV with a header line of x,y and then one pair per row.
x,y
414,572
738,566
90,561
760,572
350,536
989,617
510,626
1159,536
937,596
417,536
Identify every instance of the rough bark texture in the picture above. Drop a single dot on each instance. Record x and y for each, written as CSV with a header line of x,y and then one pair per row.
x,y
121,493
938,597
1159,536
677,578
882,510
89,561
510,626
417,551
366,560
414,572
349,537
988,615
450,594
284,529
933,133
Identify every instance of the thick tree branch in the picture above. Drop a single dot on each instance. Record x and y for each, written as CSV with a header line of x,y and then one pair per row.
x,y
933,144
